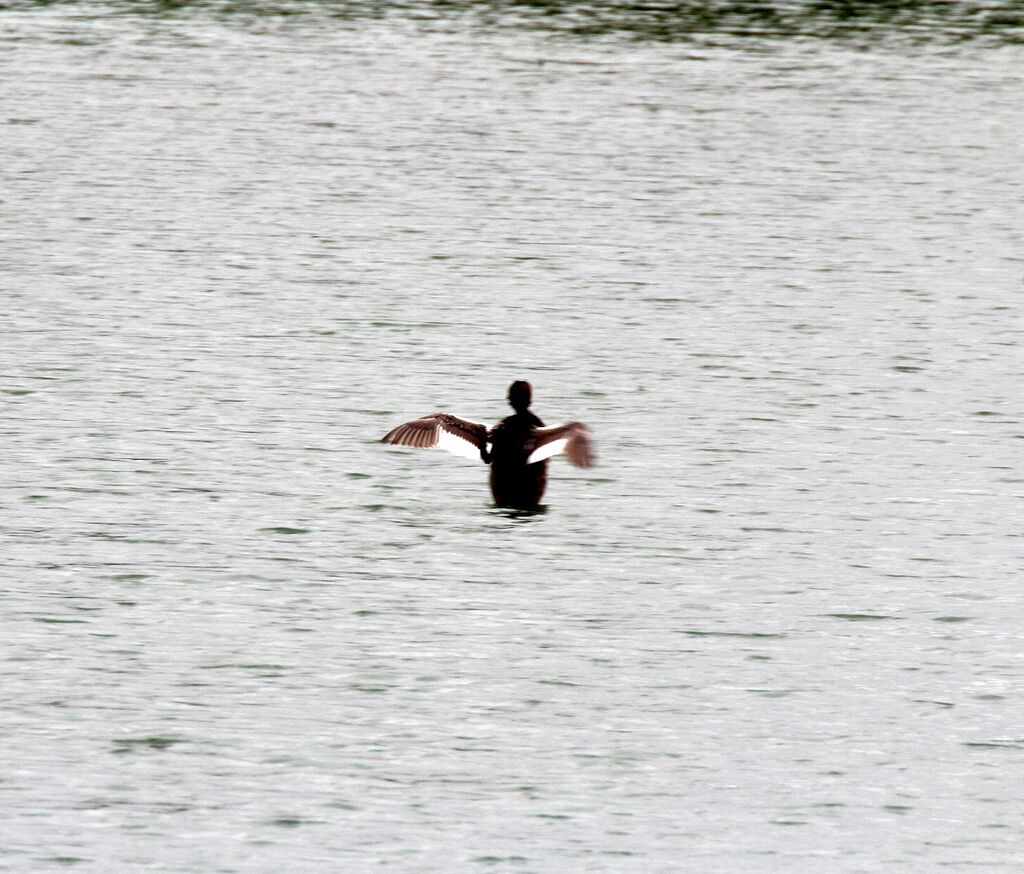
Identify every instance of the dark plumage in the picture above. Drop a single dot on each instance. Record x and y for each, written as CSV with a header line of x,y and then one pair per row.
x,y
517,448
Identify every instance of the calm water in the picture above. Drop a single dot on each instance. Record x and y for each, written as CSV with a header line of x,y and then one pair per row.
x,y
780,627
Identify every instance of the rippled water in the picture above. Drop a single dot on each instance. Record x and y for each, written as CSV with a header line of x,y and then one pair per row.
x,y
779,628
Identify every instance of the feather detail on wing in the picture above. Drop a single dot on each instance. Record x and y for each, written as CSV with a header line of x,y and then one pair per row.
x,y
572,439
443,431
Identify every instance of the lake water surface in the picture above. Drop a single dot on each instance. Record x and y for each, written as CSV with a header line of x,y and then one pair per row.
x,y
779,273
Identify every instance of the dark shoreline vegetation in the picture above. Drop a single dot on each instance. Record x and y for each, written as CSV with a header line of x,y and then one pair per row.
x,y
998,22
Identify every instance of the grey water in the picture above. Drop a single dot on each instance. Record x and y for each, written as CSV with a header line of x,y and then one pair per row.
x,y
774,261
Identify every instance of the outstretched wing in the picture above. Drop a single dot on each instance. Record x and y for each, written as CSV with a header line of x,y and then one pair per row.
x,y
444,431
572,439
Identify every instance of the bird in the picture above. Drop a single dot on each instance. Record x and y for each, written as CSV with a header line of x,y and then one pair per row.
x,y
517,448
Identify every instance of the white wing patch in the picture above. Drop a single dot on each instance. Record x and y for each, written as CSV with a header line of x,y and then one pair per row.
x,y
443,430
548,450
456,445
572,440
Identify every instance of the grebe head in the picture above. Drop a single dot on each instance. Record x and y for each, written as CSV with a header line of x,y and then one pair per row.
x,y
519,394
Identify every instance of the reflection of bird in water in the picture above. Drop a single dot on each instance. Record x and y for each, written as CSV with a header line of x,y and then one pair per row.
x,y
517,448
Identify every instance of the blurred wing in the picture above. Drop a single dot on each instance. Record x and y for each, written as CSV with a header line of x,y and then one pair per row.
x,y
572,439
442,430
